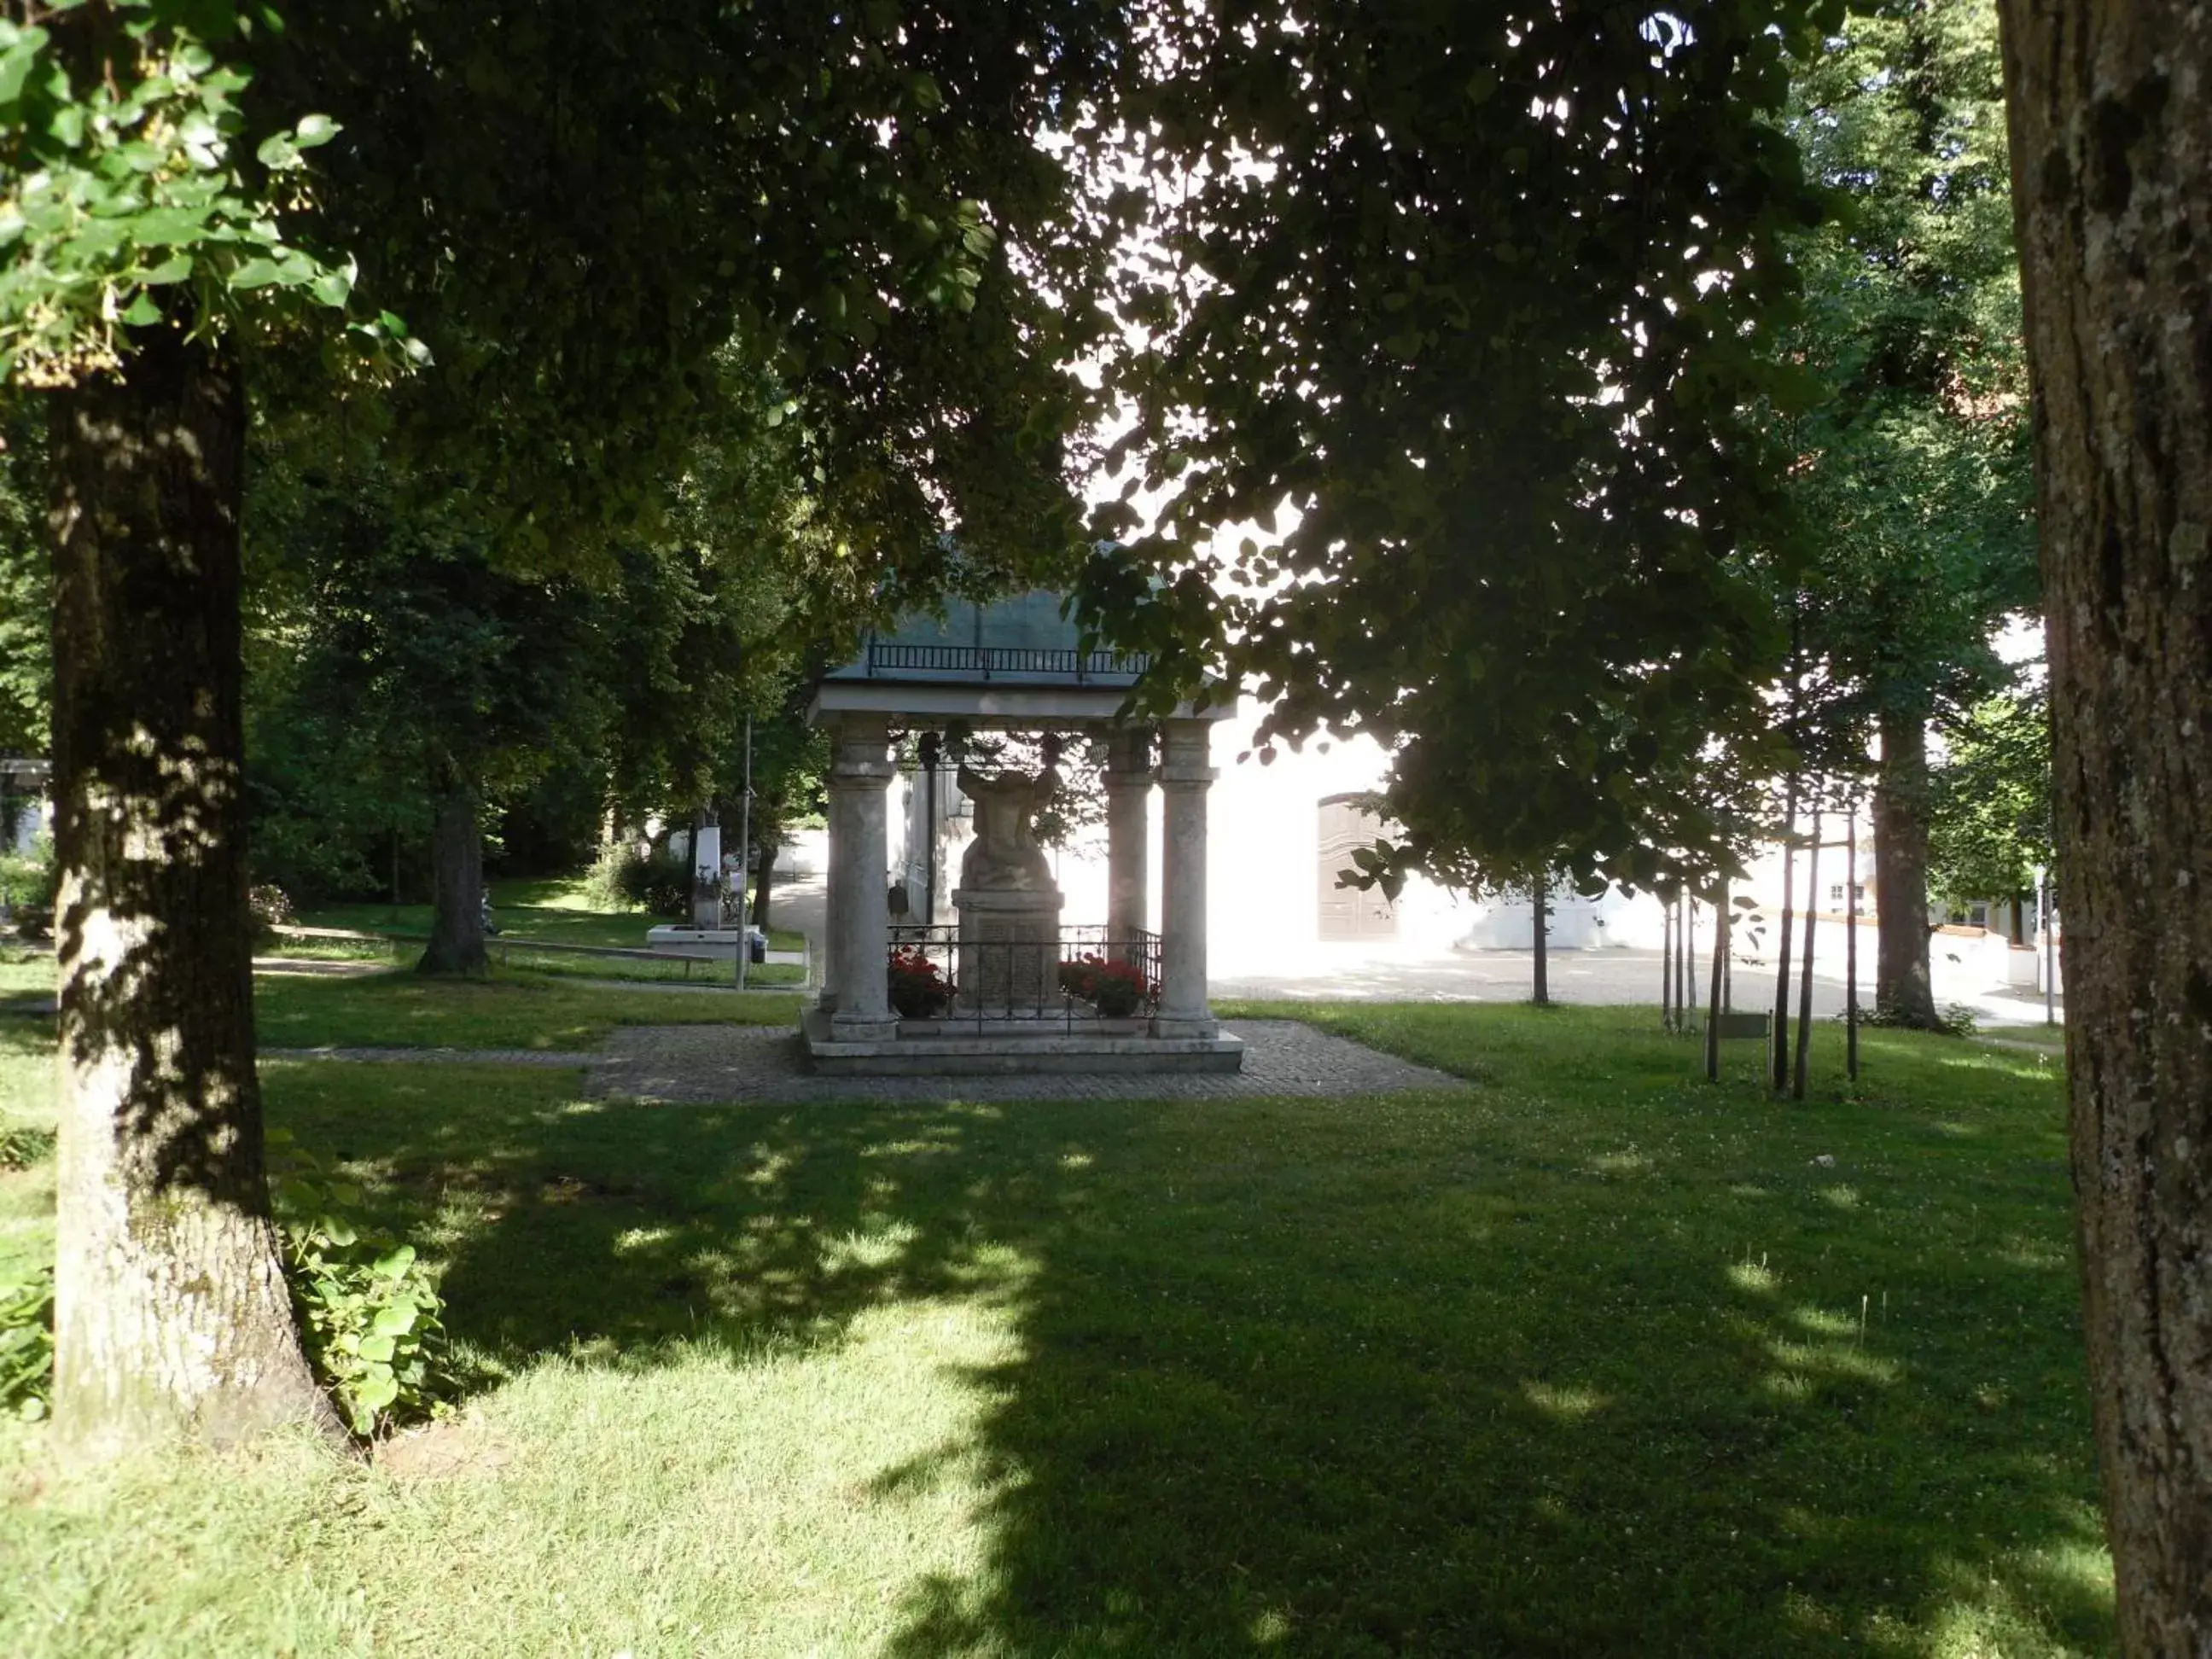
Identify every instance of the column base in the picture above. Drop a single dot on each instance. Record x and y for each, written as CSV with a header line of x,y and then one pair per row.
x,y
1166,1025
851,1028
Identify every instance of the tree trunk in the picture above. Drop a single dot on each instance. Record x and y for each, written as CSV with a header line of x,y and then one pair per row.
x,y
1778,1057
1721,913
1851,940
1541,912
2112,189
761,884
171,1318
457,935
1902,990
1805,968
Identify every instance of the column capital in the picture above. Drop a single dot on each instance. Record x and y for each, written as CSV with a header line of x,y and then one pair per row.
x,y
1129,757
860,754
1186,754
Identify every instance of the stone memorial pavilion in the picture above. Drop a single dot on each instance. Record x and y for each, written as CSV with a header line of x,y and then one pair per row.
x,y
1014,985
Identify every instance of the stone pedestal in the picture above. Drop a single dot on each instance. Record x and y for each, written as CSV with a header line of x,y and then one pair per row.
x,y
1009,957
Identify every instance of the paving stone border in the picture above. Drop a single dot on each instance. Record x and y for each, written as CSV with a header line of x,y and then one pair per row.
x,y
550,1058
704,1063
701,1064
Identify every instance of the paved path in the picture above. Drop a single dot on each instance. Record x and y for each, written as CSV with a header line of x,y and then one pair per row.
x,y
700,1064
545,1057
1340,973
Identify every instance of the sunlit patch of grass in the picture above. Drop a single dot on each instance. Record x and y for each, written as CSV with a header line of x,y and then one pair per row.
x,y
1564,1403
1754,1276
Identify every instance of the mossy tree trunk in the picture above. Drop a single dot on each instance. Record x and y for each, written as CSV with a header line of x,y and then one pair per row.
x,y
172,1316
2112,149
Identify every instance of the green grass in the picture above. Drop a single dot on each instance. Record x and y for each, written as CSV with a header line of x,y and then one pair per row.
x,y
556,910
514,1010
1592,1359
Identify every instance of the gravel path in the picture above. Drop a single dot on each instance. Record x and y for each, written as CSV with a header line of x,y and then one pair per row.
x,y
705,1064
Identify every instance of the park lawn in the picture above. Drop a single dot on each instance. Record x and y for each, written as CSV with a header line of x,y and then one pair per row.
x,y
511,1010
1591,1359
399,1009
556,909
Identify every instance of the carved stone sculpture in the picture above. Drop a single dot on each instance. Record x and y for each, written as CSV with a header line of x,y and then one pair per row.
x,y
1004,857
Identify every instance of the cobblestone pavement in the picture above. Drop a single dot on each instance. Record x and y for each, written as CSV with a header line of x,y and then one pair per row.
x,y
702,1064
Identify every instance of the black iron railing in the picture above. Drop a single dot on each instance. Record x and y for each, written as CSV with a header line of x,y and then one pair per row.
x,y
1073,978
984,661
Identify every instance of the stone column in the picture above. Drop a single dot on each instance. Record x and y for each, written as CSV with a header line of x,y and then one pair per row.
x,y
858,857
1185,776
1128,834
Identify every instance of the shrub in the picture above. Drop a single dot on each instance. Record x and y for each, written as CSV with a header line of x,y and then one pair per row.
x,y
369,1309
27,1343
627,878
22,1145
605,884
30,879
918,989
271,909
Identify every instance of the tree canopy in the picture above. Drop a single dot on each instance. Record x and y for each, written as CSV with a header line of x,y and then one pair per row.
x,y
1469,310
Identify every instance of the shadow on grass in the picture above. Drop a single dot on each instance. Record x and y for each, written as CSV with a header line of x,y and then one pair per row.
x,y
1422,1375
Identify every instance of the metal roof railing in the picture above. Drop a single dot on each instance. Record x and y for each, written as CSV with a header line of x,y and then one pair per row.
x,y
1014,662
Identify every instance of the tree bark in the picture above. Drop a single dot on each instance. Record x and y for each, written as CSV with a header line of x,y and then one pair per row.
x,y
172,1317
1540,916
1778,1057
1721,913
1902,989
457,935
762,882
2112,190
1797,1077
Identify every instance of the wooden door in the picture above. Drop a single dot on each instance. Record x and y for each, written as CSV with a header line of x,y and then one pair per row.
x,y
1350,913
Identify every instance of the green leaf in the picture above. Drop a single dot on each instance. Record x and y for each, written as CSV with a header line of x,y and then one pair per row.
x,y
379,1389
256,273
396,1320
396,1263
142,311
379,1349
17,62
314,130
